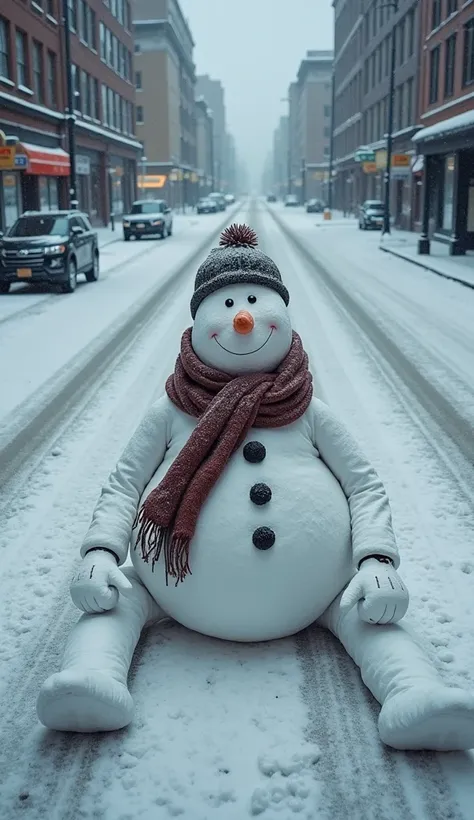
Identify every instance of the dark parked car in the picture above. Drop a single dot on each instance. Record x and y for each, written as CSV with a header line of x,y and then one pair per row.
x,y
50,247
371,215
206,206
148,217
220,201
315,206
271,198
291,201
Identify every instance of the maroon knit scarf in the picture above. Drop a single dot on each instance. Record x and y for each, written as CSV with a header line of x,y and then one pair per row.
x,y
227,407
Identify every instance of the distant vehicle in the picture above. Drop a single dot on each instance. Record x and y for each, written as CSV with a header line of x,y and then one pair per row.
x,y
148,217
219,199
271,198
230,199
291,201
371,215
315,206
206,206
49,247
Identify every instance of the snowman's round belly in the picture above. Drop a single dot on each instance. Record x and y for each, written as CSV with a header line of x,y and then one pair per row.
x,y
238,592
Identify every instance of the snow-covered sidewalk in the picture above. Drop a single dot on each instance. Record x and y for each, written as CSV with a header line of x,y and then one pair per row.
x,y
404,245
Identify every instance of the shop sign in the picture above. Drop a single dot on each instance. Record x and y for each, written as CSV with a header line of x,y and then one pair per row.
x,y
400,173
381,160
400,161
7,157
21,160
364,155
83,165
151,181
369,167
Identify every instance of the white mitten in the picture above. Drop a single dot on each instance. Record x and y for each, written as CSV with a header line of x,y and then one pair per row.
x,y
379,593
96,585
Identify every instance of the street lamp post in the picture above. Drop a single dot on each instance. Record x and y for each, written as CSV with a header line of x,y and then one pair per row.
x,y
70,116
393,4
331,148
143,162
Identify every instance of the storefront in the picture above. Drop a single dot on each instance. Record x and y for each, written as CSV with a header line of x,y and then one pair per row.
x,y
88,181
45,167
448,184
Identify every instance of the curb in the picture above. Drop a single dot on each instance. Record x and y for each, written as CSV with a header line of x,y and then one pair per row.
x,y
21,436
428,268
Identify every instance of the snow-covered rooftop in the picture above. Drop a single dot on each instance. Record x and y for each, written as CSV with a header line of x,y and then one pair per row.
x,y
461,122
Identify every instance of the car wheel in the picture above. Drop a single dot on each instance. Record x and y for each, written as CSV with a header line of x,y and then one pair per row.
x,y
4,287
164,233
92,275
170,229
137,237
70,285
126,237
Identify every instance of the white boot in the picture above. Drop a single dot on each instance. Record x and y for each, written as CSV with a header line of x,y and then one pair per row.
x,y
419,711
90,692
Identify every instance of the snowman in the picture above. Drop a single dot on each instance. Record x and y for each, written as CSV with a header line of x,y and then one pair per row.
x,y
250,513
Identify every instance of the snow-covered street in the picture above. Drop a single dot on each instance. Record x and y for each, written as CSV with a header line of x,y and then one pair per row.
x,y
224,730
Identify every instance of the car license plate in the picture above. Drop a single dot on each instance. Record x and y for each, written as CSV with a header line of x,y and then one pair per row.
x,y
24,273
140,225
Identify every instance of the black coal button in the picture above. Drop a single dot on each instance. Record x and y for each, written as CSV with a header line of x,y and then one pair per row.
x,y
263,538
260,494
255,452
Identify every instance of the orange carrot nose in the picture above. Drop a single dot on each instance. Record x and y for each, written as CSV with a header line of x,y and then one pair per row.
x,y
243,322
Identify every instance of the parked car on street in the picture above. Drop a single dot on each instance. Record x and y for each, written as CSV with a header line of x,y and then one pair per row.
x,y
148,217
206,206
230,199
49,247
271,198
315,206
371,215
291,201
219,200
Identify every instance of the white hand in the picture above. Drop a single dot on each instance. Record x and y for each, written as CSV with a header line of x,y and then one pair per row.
x,y
96,585
379,593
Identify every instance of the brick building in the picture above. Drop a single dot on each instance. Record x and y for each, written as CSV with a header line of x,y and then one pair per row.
x,y
33,103
446,111
205,147
363,30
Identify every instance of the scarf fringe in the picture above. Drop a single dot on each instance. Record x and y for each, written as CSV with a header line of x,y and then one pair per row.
x,y
154,540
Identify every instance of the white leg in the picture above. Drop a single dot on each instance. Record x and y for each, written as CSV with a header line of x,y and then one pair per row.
x,y
90,693
419,711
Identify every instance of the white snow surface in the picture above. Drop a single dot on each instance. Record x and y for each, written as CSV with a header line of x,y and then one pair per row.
x,y
273,730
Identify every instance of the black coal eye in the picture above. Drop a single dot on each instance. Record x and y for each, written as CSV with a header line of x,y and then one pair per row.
x,y
252,299
229,303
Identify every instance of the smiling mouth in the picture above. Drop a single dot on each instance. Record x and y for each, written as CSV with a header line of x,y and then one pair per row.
x,y
249,353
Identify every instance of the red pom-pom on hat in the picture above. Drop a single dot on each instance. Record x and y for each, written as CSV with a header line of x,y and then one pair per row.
x,y
238,236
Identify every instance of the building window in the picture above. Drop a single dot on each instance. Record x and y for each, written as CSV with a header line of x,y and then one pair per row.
x,y
94,98
108,47
83,21
105,119
38,84
103,50
434,74
128,16
4,49
450,65
327,110
138,79
436,14
448,193
468,68
51,8
401,42
72,4
137,48
411,33
123,60
140,119
92,32
21,64
452,7
409,103
51,79
76,85
85,94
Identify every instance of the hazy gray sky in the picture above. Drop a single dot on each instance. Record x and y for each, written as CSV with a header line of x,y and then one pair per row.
x,y
255,47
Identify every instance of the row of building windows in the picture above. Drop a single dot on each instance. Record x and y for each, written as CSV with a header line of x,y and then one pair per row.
x,y
117,113
440,10
448,50
110,109
114,54
121,11
35,71
378,66
375,120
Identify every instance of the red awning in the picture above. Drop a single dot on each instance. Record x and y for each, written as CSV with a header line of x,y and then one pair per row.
x,y
51,162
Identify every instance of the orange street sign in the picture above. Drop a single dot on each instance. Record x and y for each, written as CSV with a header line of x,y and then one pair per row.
x,y
7,157
401,161
152,181
369,167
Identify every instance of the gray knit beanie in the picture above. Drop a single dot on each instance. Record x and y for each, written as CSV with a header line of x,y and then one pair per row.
x,y
237,261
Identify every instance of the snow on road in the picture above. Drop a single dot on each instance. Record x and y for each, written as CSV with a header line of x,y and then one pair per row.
x,y
42,339
231,731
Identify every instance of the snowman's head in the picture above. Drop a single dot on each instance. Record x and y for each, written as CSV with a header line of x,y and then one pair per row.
x,y
239,306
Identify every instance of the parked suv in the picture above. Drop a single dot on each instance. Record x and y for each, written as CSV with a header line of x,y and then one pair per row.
x,y
50,247
148,217
371,215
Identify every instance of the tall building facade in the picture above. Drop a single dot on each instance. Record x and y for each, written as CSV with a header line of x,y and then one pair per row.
x,y
445,164
310,126
33,105
362,68
280,159
213,93
205,146
165,82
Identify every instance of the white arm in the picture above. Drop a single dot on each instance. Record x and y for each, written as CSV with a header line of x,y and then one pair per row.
x,y
371,518
116,509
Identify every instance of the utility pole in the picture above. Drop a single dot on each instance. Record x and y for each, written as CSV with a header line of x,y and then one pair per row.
x,y
388,171
70,116
331,149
